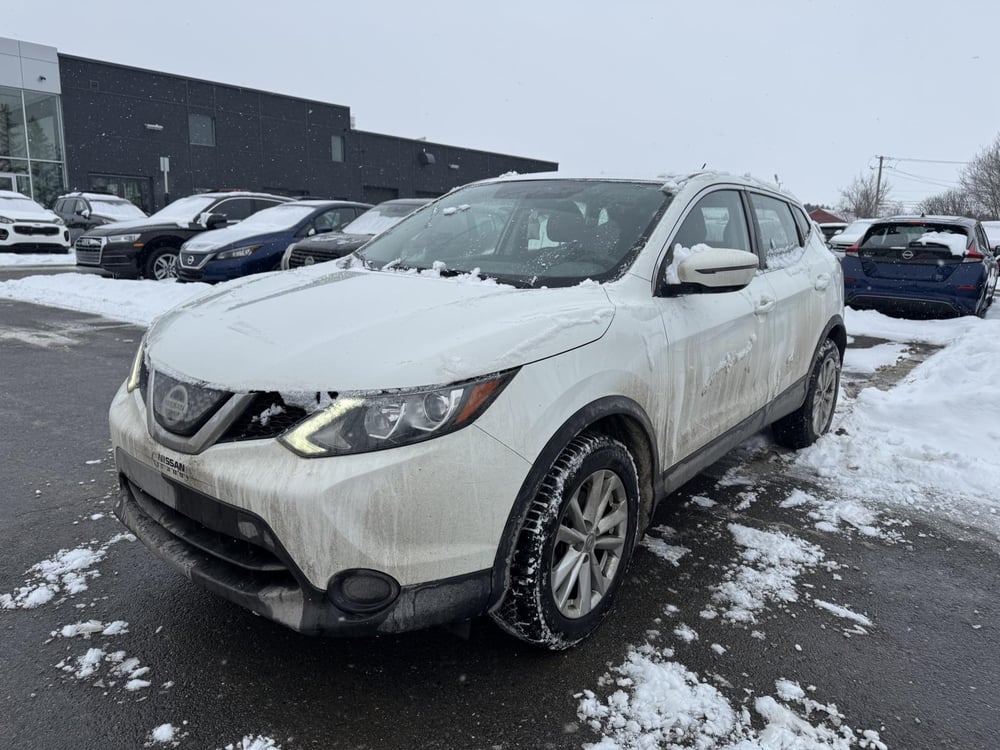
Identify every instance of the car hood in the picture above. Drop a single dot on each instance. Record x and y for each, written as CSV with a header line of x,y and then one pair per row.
x,y
356,330
29,213
217,239
340,241
141,225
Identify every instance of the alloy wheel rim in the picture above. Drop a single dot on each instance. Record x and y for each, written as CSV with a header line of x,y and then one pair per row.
x,y
826,391
590,541
165,267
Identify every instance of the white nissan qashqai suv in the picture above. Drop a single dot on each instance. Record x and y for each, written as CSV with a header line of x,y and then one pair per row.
x,y
479,411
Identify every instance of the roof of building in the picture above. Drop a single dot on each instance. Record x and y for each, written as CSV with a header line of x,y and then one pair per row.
x,y
822,216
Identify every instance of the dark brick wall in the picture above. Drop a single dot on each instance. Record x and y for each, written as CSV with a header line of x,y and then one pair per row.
x,y
264,141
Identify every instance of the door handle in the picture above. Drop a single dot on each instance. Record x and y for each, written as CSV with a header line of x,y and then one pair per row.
x,y
822,282
764,305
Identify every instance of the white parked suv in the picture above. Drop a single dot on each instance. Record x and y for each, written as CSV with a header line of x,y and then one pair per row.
x,y
28,227
479,411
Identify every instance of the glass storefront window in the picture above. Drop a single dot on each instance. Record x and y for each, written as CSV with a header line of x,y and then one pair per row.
x,y
44,126
47,181
12,142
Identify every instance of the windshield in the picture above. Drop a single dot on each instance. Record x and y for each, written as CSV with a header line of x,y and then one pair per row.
x,y
531,233
278,217
380,218
185,209
116,209
19,205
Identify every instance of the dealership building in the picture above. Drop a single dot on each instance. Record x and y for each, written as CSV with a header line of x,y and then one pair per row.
x,y
72,123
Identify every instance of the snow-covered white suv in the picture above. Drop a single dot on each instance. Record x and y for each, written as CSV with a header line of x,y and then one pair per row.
x,y
480,410
28,227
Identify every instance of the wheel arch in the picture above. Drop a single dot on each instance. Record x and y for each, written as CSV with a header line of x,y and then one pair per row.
x,y
616,416
162,240
837,331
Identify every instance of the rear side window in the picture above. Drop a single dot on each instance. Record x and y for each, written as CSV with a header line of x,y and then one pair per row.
x,y
804,224
779,235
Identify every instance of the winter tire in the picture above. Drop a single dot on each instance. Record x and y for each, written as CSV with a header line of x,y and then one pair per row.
x,y
161,264
804,425
574,545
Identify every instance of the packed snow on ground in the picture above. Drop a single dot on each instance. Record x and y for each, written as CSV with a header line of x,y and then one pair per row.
x,y
136,302
254,743
927,445
38,259
870,359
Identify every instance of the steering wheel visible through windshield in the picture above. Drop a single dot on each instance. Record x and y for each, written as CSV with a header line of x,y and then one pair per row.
x,y
527,233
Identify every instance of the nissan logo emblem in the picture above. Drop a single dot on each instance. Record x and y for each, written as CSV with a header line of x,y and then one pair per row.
x,y
189,259
907,255
175,404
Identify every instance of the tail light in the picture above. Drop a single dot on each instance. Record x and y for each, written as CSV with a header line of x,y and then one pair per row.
x,y
972,255
852,250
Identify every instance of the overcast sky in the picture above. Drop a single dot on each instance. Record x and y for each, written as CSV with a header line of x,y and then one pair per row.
x,y
808,91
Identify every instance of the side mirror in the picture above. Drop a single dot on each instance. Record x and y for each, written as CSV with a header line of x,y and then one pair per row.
x,y
996,251
311,231
213,221
711,270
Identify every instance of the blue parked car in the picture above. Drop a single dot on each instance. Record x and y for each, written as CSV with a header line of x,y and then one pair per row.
x,y
923,266
256,244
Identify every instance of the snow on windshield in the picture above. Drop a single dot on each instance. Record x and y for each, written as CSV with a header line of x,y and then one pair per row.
x,y
116,209
184,209
278,217
379,219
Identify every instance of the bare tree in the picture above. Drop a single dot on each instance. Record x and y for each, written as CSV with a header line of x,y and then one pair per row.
x,y
981,180
954,202
860,198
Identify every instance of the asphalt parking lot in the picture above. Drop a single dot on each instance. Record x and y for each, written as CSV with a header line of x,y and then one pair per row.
x,y
924,674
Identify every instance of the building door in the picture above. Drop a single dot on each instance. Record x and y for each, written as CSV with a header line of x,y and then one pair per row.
x,y
8,181
138,190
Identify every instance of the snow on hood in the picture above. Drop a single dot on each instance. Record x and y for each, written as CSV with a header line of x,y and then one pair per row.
x,y
219,238
24,209
355,330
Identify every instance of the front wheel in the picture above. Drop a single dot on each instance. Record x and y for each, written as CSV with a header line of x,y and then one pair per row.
x,y
161,264
574,545
804,425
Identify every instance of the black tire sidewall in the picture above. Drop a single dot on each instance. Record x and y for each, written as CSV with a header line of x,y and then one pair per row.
x,y
615,457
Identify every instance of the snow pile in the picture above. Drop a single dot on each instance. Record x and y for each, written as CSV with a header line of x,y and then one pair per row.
x,y
38,259
937,332
868,360
121,299
661,704
771,563
929,444
672,553
254,743
66,573
165,734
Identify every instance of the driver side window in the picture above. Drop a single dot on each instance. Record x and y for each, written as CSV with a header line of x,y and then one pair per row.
x,y
716,220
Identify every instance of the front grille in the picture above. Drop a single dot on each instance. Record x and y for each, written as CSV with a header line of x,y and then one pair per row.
x,y
299,257
181,407
88,251
44,231
267,416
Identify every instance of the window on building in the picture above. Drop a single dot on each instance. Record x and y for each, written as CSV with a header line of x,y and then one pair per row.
x,y
44,126
337,147
201,129
12,142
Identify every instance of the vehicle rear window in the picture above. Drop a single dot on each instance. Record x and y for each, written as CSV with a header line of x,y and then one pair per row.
x,y
901,234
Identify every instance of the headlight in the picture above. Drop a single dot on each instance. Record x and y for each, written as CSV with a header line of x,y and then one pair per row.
x,y
58,220
124,238
240,252
370,422
5,220
135,374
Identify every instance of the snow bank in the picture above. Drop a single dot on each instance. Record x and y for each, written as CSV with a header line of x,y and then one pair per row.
x,y
38,259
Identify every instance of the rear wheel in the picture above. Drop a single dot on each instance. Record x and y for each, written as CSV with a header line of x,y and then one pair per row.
x,y
161,264
804,425
574,546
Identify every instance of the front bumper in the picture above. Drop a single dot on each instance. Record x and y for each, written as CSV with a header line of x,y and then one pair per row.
x,y
274,533
117,259
21,237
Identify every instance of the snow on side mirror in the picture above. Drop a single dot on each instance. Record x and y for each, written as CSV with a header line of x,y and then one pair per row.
x,y
713,269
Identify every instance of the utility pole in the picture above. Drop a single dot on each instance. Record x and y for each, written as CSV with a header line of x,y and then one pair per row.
x,y
878,187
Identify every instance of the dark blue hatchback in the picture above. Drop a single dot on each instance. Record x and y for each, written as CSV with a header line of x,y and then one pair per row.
x,y
921,266
256,244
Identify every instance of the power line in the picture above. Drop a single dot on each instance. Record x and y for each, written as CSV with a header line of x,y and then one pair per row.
x,y
925,161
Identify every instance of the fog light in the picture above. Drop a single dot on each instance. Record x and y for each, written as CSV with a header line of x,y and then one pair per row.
x,y
362,591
